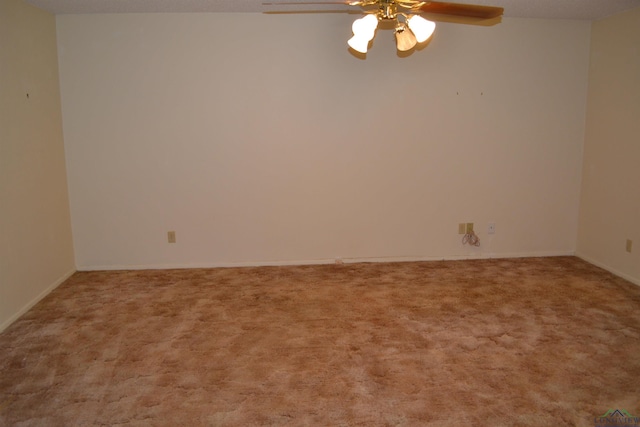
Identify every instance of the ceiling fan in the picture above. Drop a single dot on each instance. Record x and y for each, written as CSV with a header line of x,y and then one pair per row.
x,y
410,28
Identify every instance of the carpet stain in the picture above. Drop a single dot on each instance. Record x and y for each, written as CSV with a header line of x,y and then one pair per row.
x,y
505,342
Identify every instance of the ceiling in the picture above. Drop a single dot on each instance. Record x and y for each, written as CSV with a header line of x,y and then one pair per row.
x,y
548,9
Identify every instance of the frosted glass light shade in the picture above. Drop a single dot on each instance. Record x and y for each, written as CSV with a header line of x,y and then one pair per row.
x,y
359,43
365,27
405,40
421,28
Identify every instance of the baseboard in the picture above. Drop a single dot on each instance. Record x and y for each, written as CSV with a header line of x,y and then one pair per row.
x,y
618,273
346,260
37,299
459,257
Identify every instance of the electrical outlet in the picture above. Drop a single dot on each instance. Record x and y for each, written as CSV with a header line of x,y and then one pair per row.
x,y
629,245
491,228
462,227
171,236
469,227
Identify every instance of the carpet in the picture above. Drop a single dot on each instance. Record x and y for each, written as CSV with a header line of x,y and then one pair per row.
x,y
502,342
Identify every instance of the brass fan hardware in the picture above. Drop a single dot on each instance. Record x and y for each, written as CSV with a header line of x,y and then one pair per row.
x,y
410,28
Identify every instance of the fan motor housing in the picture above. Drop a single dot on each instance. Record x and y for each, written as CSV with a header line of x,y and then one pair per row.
x,y
388,10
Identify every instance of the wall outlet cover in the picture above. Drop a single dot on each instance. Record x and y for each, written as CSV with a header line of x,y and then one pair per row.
x,y
491,228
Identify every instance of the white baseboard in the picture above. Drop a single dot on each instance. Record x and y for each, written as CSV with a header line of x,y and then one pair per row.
x,y
37,299
346,260
634,280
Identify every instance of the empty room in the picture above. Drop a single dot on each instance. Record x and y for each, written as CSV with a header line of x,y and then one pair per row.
x,y
345,213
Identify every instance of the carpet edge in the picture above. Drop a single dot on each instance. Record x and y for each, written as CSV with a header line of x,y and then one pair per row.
x,y
36,300
625,276
321,261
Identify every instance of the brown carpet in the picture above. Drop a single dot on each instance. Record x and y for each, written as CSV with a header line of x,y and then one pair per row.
x,y
512,342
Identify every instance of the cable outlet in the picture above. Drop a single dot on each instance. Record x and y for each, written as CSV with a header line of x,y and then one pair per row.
x,y
629,245
491,228
469,227
462,228
171,236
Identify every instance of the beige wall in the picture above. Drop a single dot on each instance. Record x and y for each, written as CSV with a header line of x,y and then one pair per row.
x,y
36,251
610,202
260,139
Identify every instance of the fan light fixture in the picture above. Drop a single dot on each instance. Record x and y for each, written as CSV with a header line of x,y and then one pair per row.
x,y
364,29
405,39
421,28
410,28
409,31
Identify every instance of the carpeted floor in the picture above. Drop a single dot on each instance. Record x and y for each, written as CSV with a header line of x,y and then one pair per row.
x,y
512,342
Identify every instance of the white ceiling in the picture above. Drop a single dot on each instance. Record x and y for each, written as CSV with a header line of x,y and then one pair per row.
x,y
553,9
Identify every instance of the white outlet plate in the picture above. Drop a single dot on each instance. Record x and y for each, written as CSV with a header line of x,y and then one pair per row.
x,y
491,228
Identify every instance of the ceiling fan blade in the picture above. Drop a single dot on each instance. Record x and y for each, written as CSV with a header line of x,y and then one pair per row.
x,y
311,12
297,3
459,9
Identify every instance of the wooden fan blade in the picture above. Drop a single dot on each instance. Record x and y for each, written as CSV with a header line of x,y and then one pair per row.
x,y
297,3
459,9
311,12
